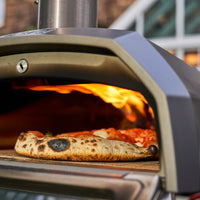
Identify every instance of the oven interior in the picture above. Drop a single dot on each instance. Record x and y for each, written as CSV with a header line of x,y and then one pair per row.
x,y
57,106
36,104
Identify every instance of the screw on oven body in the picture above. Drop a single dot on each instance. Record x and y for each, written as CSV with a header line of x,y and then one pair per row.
x,y
22,66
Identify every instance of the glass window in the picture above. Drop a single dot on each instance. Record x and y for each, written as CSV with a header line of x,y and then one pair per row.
x,y
160,19
192,16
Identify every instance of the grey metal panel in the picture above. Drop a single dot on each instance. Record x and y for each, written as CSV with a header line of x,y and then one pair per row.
x,y
75,182
179,102
90,32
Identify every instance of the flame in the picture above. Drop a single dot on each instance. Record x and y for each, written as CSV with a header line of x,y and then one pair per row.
x,y
124,99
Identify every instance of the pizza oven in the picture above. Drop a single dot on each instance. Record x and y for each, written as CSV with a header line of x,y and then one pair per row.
x,y
63,77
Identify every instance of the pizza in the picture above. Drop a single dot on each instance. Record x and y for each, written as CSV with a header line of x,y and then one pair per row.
x,y
96,145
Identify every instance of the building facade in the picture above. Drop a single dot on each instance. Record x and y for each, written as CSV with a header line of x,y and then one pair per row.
x,y
18,15
173,25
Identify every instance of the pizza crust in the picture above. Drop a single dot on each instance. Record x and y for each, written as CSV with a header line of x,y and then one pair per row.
x,y
81,148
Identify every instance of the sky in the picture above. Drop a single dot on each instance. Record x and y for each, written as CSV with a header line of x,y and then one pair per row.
x,y
2,11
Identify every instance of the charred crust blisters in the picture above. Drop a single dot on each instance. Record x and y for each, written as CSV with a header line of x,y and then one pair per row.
x,y
41,147
59,144
22,137
39,141
74,141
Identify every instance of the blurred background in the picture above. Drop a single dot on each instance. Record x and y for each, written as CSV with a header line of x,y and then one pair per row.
x,y
173,25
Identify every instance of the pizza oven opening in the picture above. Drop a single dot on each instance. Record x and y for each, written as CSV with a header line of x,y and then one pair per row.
x,y
57,106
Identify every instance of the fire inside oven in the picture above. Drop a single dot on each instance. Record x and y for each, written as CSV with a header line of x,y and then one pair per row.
x,y
59,106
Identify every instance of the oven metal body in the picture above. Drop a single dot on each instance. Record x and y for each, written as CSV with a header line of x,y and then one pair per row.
x,y
128,60
67,13
77,183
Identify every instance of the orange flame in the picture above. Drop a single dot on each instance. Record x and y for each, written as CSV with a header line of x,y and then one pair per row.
x,y
120,98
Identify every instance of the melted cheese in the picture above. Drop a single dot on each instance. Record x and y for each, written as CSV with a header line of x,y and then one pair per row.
x,y
101,133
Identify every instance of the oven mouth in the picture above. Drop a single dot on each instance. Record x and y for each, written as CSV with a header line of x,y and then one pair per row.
x,y
58,106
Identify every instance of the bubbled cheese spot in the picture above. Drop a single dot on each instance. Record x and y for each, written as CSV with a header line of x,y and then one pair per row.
x,y
101,133
138,144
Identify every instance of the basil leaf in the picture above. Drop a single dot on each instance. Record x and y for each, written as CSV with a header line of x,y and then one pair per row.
x,y
49,134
